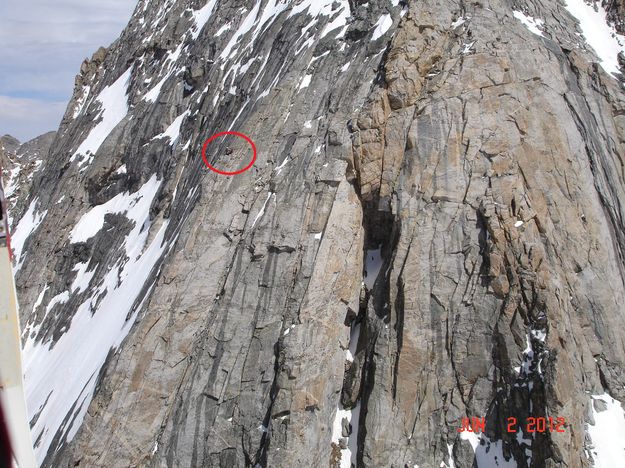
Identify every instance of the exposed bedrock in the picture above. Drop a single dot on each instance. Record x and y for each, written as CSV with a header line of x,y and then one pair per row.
x,y
433,230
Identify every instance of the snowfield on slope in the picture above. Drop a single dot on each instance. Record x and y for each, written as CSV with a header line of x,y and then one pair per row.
x,y
608,432
114,102
603,39
26,226
60,378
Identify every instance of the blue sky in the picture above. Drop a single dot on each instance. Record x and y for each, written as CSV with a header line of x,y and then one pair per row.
x,y
43,43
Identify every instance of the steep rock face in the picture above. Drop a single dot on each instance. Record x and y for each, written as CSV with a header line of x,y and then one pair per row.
x,y
490,248
432,230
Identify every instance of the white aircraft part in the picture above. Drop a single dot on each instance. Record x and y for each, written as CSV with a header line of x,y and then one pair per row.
x,y
11,379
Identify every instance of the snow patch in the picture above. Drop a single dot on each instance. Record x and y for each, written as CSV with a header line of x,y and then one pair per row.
x,y
382,26
246,25
132,205
26,226
450,461
60,380
13,182
540,335
201,17
604,39
246,66
354,336
114,102
316,8
83,277
152,94
305,82
472,438
348,455
313,7
223,29
337,433
352,445
459,22
173,131
61,298
40,298
175,55
528,356
282,164
487,453
80,102
606,433
262,210
533,24
340,21
255,20
467,48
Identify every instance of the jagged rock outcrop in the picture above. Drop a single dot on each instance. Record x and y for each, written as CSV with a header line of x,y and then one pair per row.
x,y
616,13
433,230
19,162
8,147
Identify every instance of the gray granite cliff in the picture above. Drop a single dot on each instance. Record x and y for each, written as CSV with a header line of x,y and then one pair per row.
x,y
433,230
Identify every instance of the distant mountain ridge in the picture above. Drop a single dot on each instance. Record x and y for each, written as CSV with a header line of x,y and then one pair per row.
x,y
19,161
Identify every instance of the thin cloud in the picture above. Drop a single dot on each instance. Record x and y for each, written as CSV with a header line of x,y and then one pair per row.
x,y
43,45
27,118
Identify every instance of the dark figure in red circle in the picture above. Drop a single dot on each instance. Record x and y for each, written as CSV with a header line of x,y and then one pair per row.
x,y
229,151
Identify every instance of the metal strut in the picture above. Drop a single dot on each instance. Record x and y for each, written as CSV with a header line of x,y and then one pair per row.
x,y
11,375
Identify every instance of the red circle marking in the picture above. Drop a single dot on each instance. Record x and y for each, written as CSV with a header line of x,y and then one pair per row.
x,y
226,173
